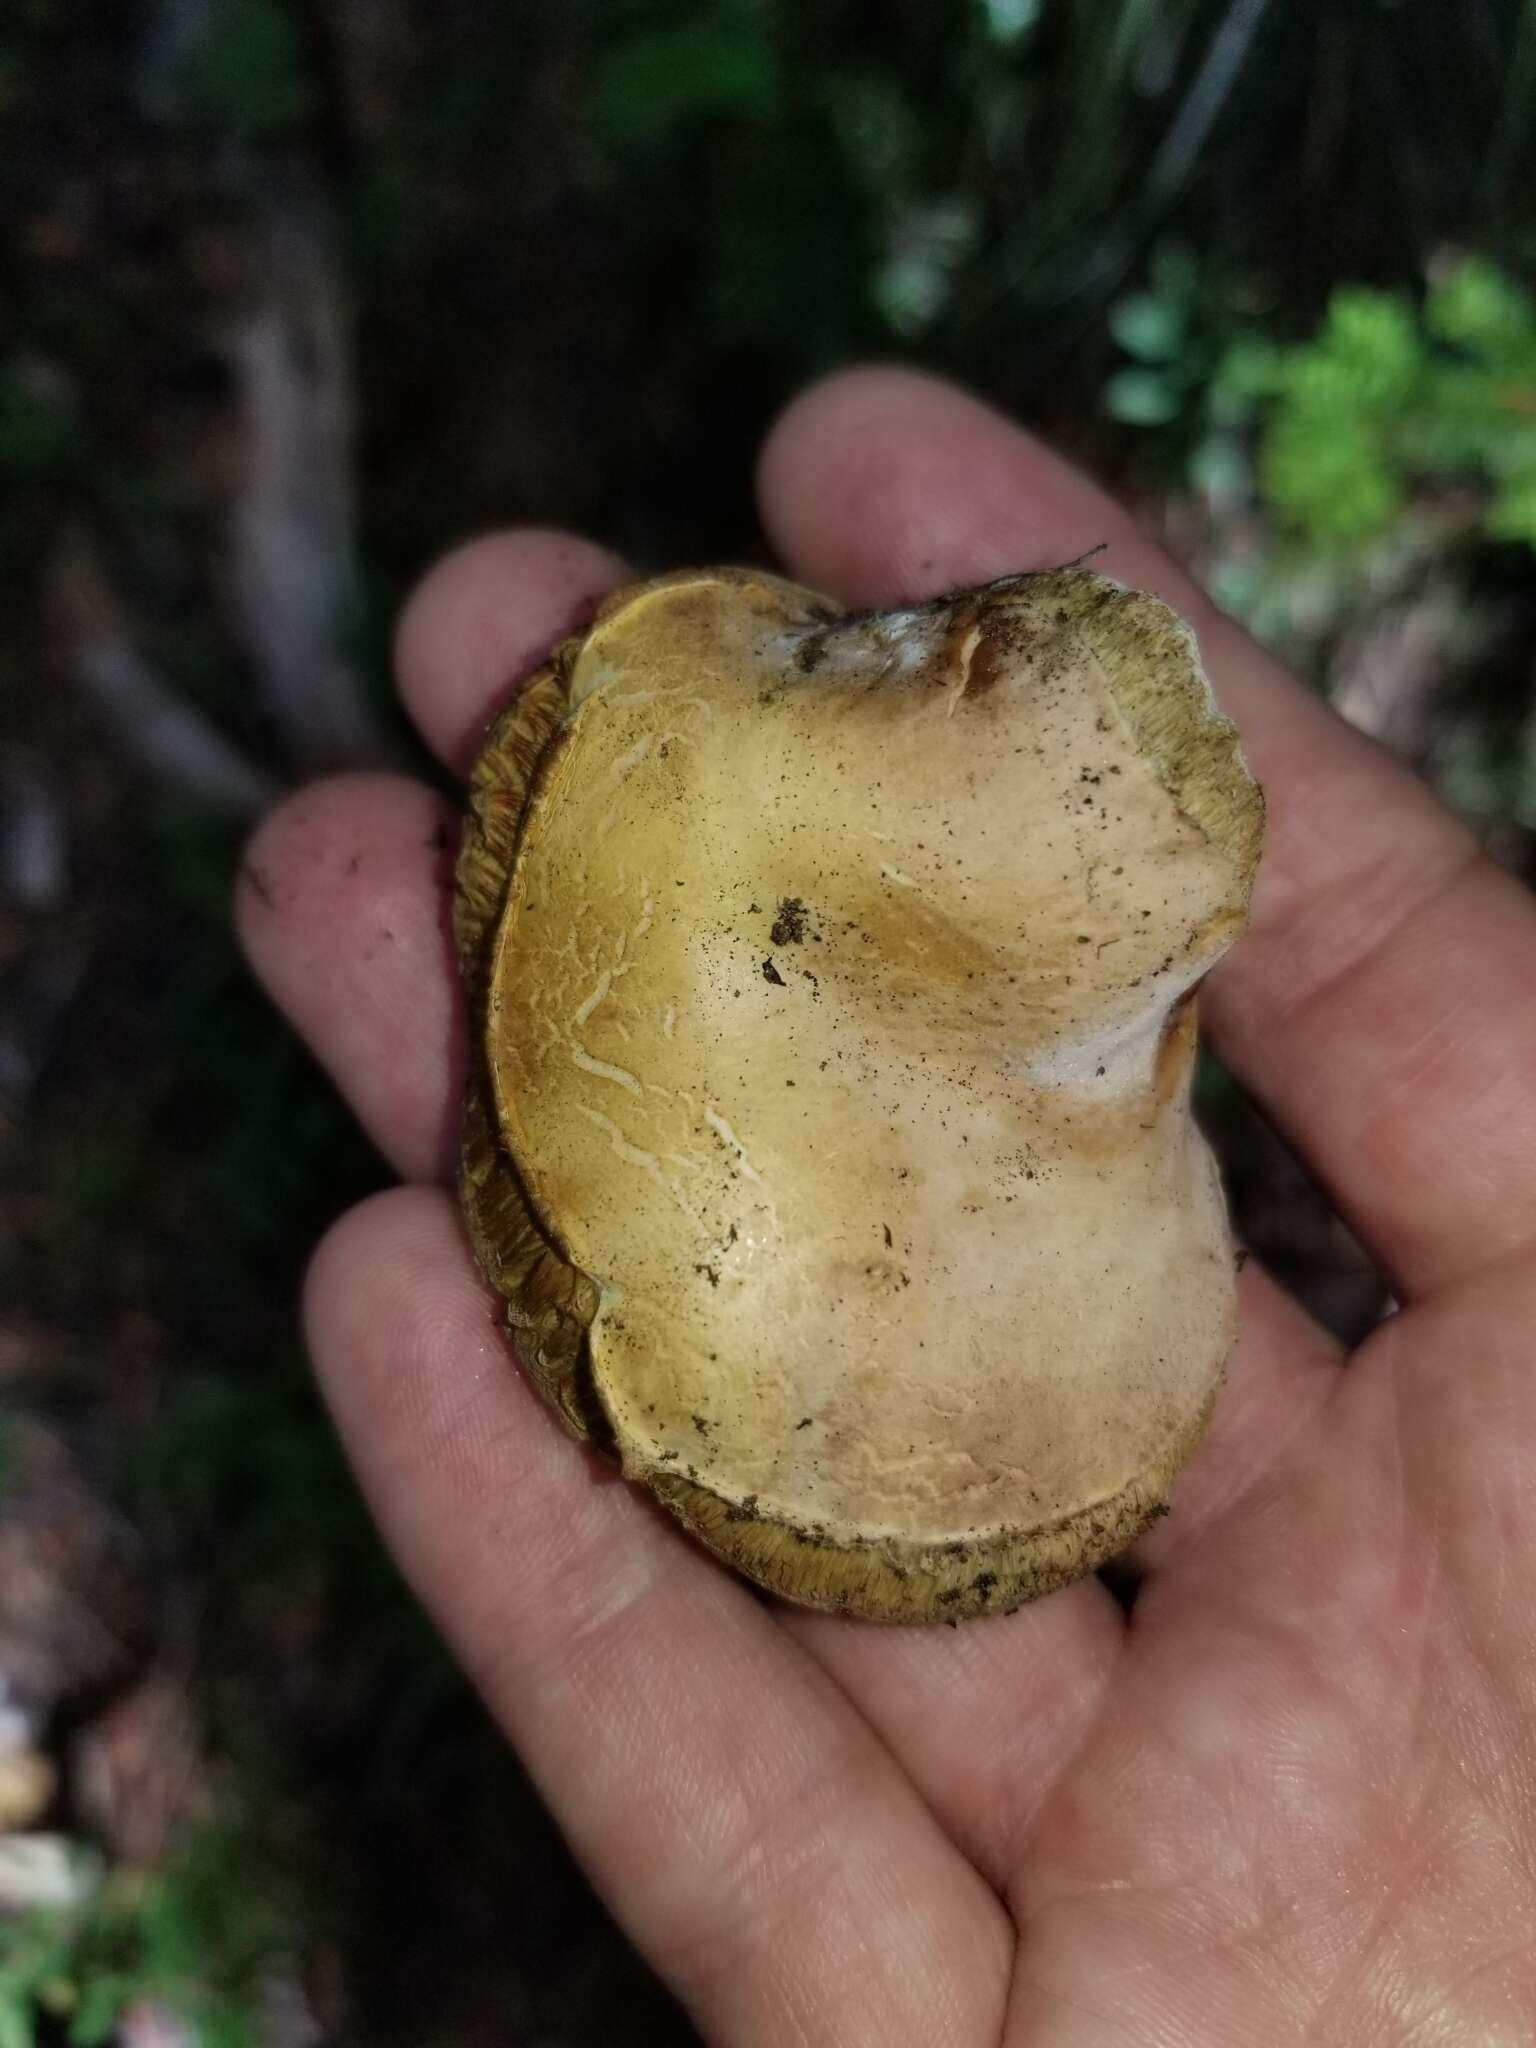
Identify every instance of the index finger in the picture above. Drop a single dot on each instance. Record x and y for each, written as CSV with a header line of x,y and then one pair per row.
x,y
483,619
1381,1005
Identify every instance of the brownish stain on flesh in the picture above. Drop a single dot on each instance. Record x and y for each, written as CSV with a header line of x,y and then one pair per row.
x,y
986,668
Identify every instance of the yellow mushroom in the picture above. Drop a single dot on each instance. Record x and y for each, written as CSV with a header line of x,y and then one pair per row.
x,y
831,981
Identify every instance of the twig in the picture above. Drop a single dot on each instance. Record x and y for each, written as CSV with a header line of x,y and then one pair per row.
x,y
156,726
1205,99
293,575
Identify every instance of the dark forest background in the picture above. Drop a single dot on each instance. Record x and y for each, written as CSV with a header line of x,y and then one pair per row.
x,y
293,294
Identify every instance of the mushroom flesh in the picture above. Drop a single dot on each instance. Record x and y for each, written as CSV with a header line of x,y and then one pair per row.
x,y
831,982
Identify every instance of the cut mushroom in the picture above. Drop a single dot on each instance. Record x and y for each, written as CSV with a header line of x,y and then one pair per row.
x,y
831,981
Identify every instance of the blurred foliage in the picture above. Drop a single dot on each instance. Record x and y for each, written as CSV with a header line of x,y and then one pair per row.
x,y
682,210
703,205
201,1936
1386,398
1171,329
1391,446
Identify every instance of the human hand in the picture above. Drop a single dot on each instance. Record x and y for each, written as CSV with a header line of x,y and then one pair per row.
x,y
1291,1796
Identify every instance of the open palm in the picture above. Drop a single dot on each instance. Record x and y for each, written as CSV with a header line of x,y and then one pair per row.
x,y
1291,1795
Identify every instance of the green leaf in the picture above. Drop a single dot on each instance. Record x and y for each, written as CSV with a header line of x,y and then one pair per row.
x,y
1512,515
657,82
1369,348
1477,307
16,2029
1148,327
101,2005
1142,398
249,69
1249,371
1330,476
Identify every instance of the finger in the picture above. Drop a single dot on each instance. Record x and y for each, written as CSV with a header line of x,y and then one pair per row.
x,y
757,1841
342,907
988,1718
483,619
1381,1003
906,531
985,1715
1465,1443
343,902
1283,1371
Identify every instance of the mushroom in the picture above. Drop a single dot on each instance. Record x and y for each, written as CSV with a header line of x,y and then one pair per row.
x,y
831,982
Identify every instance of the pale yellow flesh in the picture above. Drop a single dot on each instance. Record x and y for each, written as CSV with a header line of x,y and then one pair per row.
x,y
829,1030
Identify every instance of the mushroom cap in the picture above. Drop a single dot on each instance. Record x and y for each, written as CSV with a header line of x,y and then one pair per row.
x,y
831,981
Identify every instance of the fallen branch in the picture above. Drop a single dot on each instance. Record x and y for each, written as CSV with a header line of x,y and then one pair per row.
x,y
292,571
155,726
